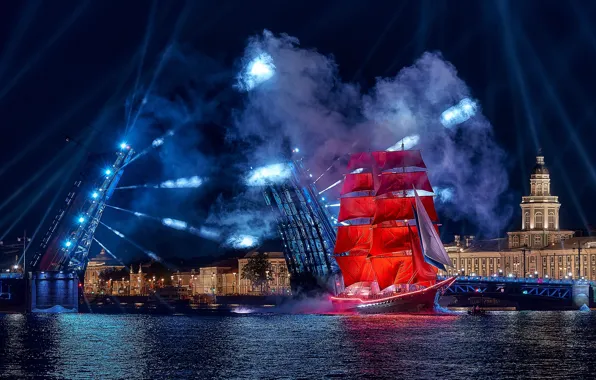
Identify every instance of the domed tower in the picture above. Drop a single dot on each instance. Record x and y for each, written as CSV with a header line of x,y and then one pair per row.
x,y
540,212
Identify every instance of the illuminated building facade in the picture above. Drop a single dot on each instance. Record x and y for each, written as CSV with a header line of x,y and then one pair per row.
x,y
306,229
540,249
138,286
280,277
100,263
493,257
540,213
216,280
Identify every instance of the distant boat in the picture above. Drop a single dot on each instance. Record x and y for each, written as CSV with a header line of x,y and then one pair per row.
x,y
388,247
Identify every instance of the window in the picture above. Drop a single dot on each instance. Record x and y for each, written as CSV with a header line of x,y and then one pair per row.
x,y
527,220
516,241
538,222
551,220
537,241
544,189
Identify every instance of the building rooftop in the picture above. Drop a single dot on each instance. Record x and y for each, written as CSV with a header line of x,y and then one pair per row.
x,y
490,245
582,242
271,255
104,260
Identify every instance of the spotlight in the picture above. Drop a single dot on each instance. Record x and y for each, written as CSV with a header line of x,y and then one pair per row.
x,y
108,172
81,219
123,145
68,243
95,195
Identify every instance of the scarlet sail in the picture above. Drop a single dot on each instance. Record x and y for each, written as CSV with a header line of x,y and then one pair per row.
x,y
398,159
399,245
357,182
355,268
394,182
400,208
356,207
353,238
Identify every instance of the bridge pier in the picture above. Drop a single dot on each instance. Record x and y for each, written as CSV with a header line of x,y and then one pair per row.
x,y
54,292
581,295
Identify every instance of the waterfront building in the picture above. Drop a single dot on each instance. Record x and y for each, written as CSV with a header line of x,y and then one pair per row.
x,y
540,213
280,282
138,282
100,263
539,249
218,279
185,280
494,258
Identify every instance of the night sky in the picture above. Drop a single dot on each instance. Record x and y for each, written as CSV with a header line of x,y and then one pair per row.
x,y
67,69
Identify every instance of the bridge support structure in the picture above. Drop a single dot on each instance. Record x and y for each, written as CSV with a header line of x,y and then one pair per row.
x,y
581,295
54,292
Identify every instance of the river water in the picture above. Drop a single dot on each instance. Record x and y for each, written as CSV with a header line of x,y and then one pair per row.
x,y
503,345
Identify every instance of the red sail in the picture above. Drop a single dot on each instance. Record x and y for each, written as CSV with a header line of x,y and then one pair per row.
x,y
387,267
394,208
391,182
355,268
405,272
353,238
398,159
360,160
356,207
390,239
426,274
357,182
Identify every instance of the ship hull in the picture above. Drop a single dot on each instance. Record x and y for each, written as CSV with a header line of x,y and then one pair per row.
x,y
411,302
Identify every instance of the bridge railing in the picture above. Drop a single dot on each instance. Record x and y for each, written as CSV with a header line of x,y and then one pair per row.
x,y
11,275
526,280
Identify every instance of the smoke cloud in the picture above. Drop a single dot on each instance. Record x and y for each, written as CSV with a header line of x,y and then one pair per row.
x,y
244,221
305,105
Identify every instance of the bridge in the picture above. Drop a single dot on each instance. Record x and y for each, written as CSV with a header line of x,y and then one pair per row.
x,y
52,281
521,293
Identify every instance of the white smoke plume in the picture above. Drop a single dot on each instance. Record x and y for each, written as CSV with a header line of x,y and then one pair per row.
x,y
243,221
305,104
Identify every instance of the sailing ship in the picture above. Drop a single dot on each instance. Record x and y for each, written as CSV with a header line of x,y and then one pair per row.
x,y
388,247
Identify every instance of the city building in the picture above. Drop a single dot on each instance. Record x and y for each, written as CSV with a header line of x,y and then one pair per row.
x,y
100,263
280,277
138,282
219,279
540,213
539,249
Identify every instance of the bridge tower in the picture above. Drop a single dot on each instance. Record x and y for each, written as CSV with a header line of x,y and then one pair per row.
x,y
307,230
59,264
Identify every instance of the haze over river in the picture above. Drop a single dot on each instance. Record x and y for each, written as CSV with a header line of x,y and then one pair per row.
x,y
503,345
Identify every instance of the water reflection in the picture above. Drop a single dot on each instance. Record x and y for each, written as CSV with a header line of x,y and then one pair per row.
x,y
503,345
